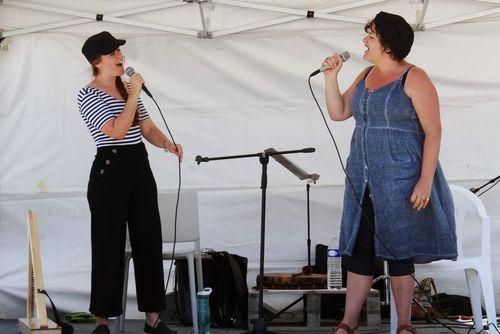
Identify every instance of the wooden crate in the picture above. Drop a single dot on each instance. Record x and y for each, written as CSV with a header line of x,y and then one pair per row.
x,y
312,309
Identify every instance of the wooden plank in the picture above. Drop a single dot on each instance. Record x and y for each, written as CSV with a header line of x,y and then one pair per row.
x,y
37,270
29,301
32,324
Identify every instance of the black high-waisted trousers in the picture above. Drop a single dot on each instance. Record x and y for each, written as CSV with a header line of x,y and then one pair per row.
x,y
122,191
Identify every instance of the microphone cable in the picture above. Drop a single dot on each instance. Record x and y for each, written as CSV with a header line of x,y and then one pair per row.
x,y
130,71
372,225
176,206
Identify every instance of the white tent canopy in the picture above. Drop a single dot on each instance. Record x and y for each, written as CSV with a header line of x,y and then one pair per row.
x,y
213,18
230,77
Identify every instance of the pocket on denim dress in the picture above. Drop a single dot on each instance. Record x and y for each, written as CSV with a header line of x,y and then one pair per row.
x,y
401,151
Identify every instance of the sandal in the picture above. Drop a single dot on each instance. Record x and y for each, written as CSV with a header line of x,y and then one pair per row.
x,y
406,327
346,328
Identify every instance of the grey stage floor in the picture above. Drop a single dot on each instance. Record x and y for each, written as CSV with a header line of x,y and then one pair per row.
x,y
136,326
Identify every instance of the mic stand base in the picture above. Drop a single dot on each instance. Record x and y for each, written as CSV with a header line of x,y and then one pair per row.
x,y
259,327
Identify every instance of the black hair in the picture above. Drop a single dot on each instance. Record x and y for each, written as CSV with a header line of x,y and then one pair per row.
x,y
395,34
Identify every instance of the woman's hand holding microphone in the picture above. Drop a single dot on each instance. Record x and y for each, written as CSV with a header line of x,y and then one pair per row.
x,y
136,81
332,65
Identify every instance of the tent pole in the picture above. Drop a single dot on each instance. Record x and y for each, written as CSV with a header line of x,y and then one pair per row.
x,y
462,18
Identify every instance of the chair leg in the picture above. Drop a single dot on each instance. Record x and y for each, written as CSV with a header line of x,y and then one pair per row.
x,y
120,321
192,292
489,299
199,270
474,286
394,314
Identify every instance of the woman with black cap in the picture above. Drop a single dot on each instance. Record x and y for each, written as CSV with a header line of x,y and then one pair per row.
x,y
397,203
122,189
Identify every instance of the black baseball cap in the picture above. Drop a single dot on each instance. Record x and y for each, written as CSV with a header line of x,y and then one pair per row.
x,y
102,43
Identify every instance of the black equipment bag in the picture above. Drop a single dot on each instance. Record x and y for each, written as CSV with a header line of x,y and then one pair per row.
x,y
454,305
226,274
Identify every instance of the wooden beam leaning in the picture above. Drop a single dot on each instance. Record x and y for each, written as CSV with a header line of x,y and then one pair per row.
x,y
36,320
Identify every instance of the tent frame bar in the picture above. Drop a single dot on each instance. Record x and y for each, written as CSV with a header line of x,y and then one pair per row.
x,y
419,26
489,1
86,17
204,18
297,14
462,18
294,15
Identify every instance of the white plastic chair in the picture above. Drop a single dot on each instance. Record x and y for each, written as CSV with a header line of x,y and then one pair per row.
x,y
188,245
477,269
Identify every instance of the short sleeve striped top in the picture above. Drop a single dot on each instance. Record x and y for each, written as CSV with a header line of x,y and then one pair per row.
x,y
98,107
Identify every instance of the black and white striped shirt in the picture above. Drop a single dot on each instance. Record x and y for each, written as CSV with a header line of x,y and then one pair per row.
x,y
98,107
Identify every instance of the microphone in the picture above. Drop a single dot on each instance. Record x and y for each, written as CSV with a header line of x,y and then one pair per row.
x,y
130,71
345,57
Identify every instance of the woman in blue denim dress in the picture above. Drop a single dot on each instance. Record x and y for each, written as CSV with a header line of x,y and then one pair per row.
x,y
397,203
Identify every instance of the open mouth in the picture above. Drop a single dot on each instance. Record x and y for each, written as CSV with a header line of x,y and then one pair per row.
x,y
119,64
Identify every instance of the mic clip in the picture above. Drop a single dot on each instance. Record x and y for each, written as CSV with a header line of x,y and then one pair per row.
x,y
199,159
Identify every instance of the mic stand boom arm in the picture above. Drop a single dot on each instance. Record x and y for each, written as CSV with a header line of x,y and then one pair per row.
x,y
475,190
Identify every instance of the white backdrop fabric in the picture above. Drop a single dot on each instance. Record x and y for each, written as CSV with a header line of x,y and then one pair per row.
x,y
231,95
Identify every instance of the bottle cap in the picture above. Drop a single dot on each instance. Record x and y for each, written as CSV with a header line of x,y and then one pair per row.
x,y
333,252
205,292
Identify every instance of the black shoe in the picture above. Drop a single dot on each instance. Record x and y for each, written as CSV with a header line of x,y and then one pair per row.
x,y
161,328
101,329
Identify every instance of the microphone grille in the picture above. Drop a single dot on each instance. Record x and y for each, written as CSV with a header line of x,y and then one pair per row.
x,y
130,71
345,56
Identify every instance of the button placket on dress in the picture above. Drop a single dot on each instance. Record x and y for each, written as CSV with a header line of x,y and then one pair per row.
x,y
363,135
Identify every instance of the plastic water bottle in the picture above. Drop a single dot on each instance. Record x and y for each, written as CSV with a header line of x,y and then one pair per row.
x,y
334,266
204,310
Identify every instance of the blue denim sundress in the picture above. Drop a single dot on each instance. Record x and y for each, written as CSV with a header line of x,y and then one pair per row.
x,y
386,156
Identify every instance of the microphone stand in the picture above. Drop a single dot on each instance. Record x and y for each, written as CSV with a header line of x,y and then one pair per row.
x,y
259,325
310,178
476,190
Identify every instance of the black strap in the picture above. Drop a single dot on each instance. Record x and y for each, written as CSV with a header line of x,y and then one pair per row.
x,y
368,72
403,78
65,327
219,256
56,313
240,284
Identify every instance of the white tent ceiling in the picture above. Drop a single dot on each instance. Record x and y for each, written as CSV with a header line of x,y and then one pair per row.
x,y
213,18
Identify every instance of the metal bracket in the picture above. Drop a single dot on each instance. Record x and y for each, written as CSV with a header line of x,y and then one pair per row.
x,y
418,27
205,34
99,17
310,14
